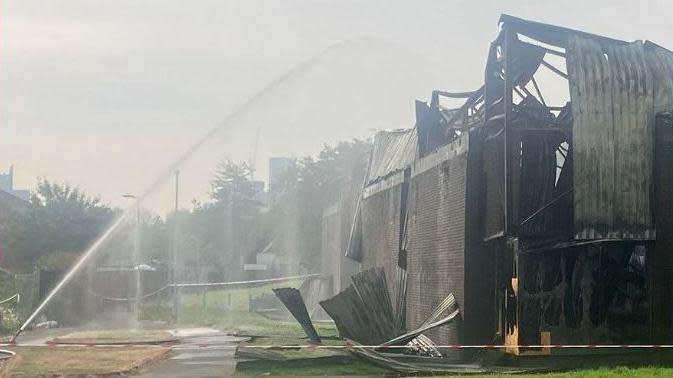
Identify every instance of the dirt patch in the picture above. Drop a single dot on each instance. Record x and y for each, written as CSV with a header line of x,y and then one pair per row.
x,y
81,361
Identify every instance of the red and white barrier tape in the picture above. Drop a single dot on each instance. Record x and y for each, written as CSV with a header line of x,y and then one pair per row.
x,y
451,346
454,346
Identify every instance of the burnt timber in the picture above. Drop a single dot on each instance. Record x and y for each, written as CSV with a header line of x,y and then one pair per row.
x,y
550,223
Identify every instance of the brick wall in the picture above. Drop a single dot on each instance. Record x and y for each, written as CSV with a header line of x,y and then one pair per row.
x,y
436,242
381,232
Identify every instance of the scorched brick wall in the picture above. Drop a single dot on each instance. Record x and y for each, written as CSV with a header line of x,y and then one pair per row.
x,y
436,237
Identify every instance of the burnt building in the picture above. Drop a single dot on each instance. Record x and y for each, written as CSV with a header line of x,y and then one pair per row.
x,y
549,222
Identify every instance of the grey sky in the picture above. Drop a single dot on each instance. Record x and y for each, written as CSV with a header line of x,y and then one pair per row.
x,y
104,94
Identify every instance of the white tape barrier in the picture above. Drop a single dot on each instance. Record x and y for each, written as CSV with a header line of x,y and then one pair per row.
x,y
206,285
16,296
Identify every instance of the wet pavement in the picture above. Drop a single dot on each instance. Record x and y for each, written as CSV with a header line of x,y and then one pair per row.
x,y
201,352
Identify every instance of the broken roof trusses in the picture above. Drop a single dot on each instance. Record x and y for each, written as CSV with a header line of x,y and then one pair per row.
x,y
454,119
529,45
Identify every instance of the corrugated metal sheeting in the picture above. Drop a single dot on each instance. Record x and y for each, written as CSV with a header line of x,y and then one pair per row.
x,y
393,152
611,89
660,62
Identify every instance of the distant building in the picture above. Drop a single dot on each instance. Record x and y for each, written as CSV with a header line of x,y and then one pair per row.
x,y
278,167
7,185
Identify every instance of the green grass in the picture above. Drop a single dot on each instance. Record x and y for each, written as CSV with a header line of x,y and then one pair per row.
x,y
345,366
593,373
227,310
249,324
236,299
331,366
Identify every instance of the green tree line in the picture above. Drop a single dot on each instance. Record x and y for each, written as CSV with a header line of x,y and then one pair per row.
x,y
215,238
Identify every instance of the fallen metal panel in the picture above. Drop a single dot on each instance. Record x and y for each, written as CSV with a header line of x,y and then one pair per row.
x,y
426,327
312,291
434,365
363,311
344,309
421,345
448,304
414,365
372,288
292,299
611,92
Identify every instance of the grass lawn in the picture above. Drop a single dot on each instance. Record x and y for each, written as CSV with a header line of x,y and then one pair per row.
x,y
72,360
323,366
133,336
227,310
249,324
596,373
335,366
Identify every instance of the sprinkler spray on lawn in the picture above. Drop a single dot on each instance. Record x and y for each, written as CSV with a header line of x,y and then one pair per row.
x,y
249,104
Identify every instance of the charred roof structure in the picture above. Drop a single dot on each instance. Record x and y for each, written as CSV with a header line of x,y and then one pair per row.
x,y
549,222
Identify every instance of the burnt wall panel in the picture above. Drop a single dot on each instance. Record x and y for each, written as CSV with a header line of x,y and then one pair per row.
x,y
479,306
595,293
436,238
660,263
493,213
612,103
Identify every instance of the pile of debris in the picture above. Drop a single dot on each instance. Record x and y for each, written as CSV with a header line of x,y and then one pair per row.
x,y
364,315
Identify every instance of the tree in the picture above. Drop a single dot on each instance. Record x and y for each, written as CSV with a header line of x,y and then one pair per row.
x,y
61,218
232,183
309,188
217,237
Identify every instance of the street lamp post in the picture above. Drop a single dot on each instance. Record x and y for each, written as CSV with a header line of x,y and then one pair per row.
x,y
174,254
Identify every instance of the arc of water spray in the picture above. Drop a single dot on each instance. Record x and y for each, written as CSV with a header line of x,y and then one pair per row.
x,y
242,109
